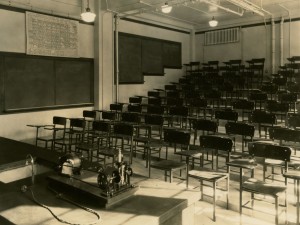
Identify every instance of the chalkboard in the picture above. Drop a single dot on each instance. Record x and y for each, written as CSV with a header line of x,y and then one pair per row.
x,y
139,56
34,82
172,55
73,83
28,82
152,57
130,60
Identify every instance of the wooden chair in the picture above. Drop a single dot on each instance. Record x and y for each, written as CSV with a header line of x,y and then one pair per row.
x,y
255,186
206,126
152,123
123,132
264,120
74,136
99,134
214,145
174,138
244,105
213,177
228,115
243,129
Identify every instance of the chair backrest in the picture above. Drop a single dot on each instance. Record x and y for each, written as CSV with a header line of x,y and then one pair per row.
x,y
177,136
131,117
293,121
226,115
77,125
173,94
274,106
57,120
154,120
116,106
154,101
175,101
89,114
135,100
243,105
288,97
258,96
179,111
155,109
108,115
269,88
169,87
270,151
258,116
284,134
240,128
123,129
216,142
198,102
102,126
213,94
205,125
134,108
153,94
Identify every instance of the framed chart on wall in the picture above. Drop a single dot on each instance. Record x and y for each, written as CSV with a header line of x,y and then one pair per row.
x,y
51,36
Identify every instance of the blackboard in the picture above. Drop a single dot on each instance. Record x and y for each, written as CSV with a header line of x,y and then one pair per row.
x,y
28,82
172,55
139,56
130,61
73,82
152,57
34,82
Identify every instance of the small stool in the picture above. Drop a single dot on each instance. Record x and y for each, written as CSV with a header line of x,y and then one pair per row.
x,y
214,177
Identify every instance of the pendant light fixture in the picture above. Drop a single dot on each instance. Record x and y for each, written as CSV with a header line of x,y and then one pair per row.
x,y
213,22
88,16
166,8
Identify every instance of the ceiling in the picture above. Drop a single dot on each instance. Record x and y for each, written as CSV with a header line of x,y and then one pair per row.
x,y
197,13
185,14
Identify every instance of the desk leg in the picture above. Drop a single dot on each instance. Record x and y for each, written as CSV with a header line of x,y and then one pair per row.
x,y
298,203
187,171
241,193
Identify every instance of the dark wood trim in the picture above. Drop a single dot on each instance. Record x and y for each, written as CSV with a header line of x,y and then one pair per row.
x,y
45,108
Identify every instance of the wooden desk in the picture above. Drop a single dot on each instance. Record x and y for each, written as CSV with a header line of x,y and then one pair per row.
x,y
295,175
242,164
193,154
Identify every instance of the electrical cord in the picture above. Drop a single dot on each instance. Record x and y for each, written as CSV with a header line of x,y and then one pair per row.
x,y
61,196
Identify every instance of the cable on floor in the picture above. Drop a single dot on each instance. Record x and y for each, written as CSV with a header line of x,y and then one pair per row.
x,y
24,188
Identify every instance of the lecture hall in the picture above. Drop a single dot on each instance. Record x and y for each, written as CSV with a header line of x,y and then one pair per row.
x,y
155,112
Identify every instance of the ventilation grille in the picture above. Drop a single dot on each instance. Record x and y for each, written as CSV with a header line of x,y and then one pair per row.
x,y
222,36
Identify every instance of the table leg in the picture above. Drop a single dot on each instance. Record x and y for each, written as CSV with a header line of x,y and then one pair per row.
x,y
241,194
298,203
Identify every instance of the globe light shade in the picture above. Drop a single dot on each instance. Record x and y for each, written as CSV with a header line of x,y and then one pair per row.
x,y
88,16
213,22
166,8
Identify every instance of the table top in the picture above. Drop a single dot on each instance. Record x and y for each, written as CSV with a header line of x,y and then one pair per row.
x,y
243,163
293,174
190,153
